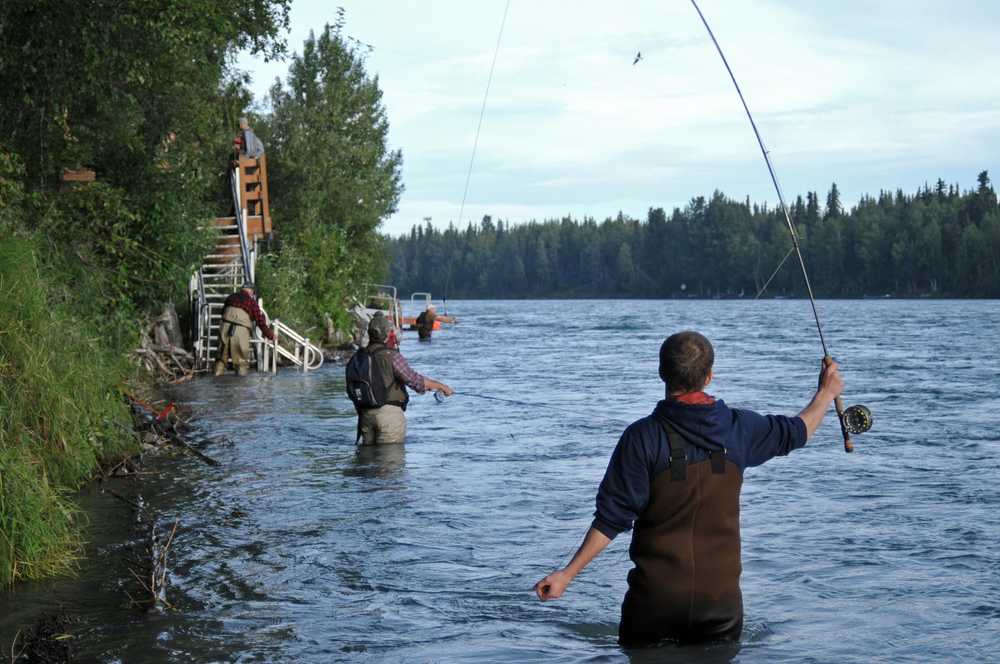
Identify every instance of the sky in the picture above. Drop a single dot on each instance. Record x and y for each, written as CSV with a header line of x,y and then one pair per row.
x,y
870,95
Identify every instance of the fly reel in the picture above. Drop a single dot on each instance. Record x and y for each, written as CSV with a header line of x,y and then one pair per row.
x,y
857,419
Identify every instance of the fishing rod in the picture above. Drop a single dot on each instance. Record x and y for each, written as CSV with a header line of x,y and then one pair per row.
x,y
856,419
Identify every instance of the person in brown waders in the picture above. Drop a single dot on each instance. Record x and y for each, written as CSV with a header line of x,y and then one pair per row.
x,y
675,477
239,313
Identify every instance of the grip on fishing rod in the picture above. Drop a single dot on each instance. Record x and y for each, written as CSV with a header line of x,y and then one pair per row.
x,y
839,405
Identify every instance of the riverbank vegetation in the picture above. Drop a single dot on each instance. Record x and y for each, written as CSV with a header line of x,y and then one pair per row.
x,y
115,143
146,100
939,241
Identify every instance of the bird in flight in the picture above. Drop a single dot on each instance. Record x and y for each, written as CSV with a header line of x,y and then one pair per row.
x,y
638,56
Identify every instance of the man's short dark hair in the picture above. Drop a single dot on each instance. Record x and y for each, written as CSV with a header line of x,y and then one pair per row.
x,y
686,359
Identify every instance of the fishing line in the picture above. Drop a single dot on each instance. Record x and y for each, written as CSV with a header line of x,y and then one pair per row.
x,y
479,127
848,445
528,404
773,274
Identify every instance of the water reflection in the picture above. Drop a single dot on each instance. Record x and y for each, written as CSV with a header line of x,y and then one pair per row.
x,y
378,461
716,653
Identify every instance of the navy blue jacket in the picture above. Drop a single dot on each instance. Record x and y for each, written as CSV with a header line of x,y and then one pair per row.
x,y
642,453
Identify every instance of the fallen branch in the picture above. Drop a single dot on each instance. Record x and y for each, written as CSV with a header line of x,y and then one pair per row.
x,y
137,506
176,440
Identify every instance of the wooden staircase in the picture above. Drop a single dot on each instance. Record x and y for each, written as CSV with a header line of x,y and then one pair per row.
x,y
231,264
221,273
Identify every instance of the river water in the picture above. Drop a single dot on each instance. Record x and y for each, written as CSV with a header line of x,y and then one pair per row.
x,y
301,548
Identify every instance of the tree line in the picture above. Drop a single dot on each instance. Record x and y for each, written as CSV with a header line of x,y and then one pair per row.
x,y
938,241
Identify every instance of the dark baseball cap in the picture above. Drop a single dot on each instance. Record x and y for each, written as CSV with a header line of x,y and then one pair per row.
x,y
379,327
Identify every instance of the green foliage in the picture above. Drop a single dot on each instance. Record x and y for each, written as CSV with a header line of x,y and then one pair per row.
x,y
333,181
939,242
153,120
38,536
143,94
61,412
101,82
60,397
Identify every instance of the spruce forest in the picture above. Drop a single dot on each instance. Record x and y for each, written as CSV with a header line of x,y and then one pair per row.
x,y
937,242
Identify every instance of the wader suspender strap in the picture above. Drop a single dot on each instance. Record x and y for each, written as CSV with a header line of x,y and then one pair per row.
x,y
679,453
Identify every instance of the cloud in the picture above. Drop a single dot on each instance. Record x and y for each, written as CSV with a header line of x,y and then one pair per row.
x,y
872,96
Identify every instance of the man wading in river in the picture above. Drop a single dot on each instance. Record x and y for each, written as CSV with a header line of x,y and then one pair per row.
x,y
239,313
377,378
676,476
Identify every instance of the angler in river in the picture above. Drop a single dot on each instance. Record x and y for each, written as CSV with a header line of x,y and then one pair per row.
x,y
675,477
239,314
376,379
425,323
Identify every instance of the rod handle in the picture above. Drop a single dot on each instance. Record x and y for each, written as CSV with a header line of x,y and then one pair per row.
x,y
839,405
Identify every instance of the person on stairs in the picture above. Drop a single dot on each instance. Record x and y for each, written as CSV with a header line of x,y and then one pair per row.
x,y
239,313
246,143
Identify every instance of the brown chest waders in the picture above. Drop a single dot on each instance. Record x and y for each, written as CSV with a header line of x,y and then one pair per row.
x,y
685,585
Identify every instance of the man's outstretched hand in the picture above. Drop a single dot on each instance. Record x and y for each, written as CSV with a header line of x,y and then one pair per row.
x,y
553,586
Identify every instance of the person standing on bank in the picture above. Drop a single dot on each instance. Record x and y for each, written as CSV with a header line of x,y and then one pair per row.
x,y
382,419
676,477
425,323
239,313
246,143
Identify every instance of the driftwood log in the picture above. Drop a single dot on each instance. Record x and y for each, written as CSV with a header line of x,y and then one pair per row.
x,y
160,349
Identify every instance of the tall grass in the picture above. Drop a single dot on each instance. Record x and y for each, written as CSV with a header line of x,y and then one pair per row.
x,y
61,413
39,534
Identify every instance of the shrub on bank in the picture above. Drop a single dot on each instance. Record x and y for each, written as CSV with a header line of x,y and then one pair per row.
x,y
61,414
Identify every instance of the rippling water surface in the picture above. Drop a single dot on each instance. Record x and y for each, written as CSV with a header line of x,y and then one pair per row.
x,y
303,548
